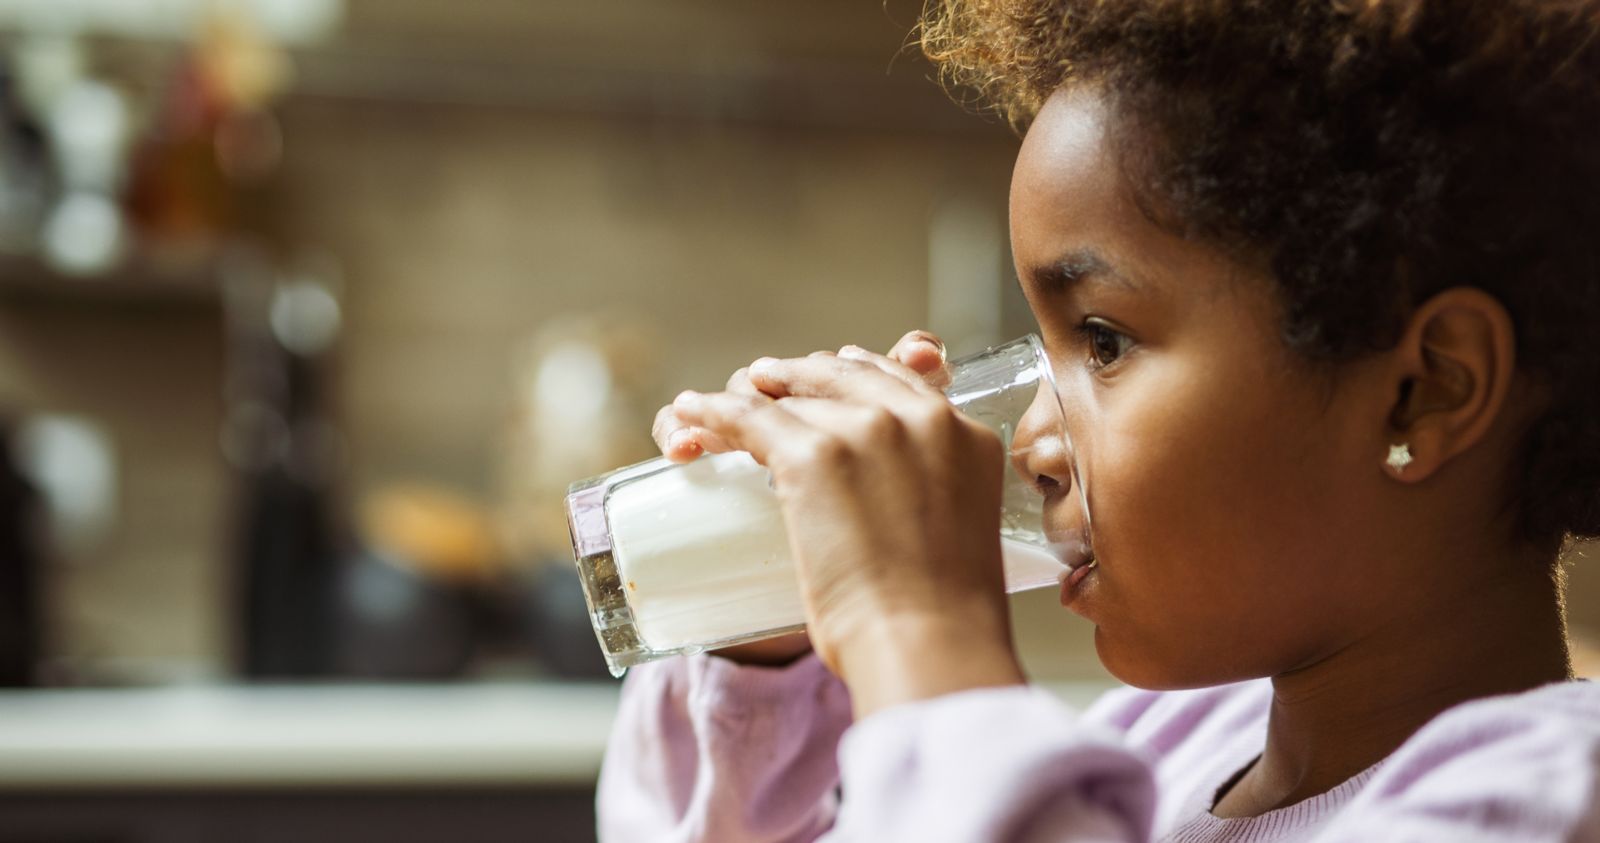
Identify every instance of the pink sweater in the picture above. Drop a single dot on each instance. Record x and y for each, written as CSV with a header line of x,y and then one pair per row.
x,y
704,749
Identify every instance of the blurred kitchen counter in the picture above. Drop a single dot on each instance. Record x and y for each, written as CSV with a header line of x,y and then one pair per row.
x,y
379,735
495,762
525,734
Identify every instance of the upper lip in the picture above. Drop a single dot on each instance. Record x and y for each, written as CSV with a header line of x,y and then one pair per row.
x,y
1076,559
1072,545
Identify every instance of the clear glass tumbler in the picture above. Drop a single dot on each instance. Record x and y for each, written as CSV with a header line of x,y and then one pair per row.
x,y
681,558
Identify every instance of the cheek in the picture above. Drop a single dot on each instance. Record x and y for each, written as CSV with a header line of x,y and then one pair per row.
x,y
1205,504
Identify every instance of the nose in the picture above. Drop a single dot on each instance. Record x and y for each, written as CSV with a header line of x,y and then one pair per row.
x,y
1039,449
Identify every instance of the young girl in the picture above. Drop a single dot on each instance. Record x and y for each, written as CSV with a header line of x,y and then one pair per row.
x,y
1319,281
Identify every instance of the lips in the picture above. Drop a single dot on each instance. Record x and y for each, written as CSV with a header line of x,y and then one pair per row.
x,y
1079,568
1074,554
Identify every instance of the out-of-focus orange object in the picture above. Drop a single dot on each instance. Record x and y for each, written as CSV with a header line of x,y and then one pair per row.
x,y
443,533
214,134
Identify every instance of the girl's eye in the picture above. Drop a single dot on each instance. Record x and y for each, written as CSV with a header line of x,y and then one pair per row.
x,y
1106,346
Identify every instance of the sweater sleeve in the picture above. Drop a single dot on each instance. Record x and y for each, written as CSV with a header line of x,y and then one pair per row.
x,y
1004,764
705,749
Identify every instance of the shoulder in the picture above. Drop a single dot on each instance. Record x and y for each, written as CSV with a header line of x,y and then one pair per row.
x,y
1552,727
1524,761
1162,722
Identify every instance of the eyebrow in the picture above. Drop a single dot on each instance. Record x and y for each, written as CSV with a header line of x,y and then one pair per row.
x,y
1077,267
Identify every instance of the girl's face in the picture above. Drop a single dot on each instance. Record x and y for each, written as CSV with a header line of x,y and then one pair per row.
x,y
1232,489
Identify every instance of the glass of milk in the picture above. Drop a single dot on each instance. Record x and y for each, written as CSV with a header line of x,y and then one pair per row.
x,y
681,558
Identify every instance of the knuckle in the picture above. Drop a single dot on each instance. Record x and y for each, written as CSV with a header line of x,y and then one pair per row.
x,y
882,426
735,407
713,409
843,366
822,449
739,378
934,417
730,406
855,353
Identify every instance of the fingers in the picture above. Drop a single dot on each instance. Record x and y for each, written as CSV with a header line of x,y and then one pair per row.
x,y
888,365
917,361
680,441
841,378
739,382
676,439
924,353
750,423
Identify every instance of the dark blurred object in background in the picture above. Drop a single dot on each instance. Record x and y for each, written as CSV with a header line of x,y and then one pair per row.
x,y
546,603
286,545
396,623
24,168
279,437
410,603
21,571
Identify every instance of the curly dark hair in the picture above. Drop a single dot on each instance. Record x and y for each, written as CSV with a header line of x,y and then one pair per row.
x,y
1375,152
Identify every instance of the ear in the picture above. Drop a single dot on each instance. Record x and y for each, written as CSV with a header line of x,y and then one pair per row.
x,y
1453,371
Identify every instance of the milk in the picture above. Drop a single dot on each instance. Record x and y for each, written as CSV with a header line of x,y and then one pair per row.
x,y
703,556
702,553
1028,566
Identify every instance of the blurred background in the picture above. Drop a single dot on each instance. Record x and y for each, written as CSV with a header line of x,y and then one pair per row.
x,y
310,310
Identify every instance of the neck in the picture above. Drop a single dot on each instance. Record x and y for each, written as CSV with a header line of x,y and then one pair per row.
x,y
1335,717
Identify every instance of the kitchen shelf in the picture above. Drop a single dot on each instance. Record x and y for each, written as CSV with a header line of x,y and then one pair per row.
x,y
140,284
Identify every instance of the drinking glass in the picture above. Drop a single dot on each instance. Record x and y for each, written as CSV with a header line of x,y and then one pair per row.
x,y
681,558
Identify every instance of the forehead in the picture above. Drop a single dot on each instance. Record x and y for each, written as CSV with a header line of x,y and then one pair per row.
x,y
1070,194
1067,180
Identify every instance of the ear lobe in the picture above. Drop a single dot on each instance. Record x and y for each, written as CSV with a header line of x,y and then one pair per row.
x,y
1456,363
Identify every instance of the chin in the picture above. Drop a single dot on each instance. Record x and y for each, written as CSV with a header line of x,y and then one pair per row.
x,y
1156,668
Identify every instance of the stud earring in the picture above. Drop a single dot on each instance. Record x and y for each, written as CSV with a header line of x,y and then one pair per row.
x,y
1399,457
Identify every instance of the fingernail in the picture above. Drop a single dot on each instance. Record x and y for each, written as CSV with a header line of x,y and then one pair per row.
x,y
678,439
763,365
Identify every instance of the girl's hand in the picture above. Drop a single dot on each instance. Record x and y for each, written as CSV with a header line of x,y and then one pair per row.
x,y
892,501
919,351
679,441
